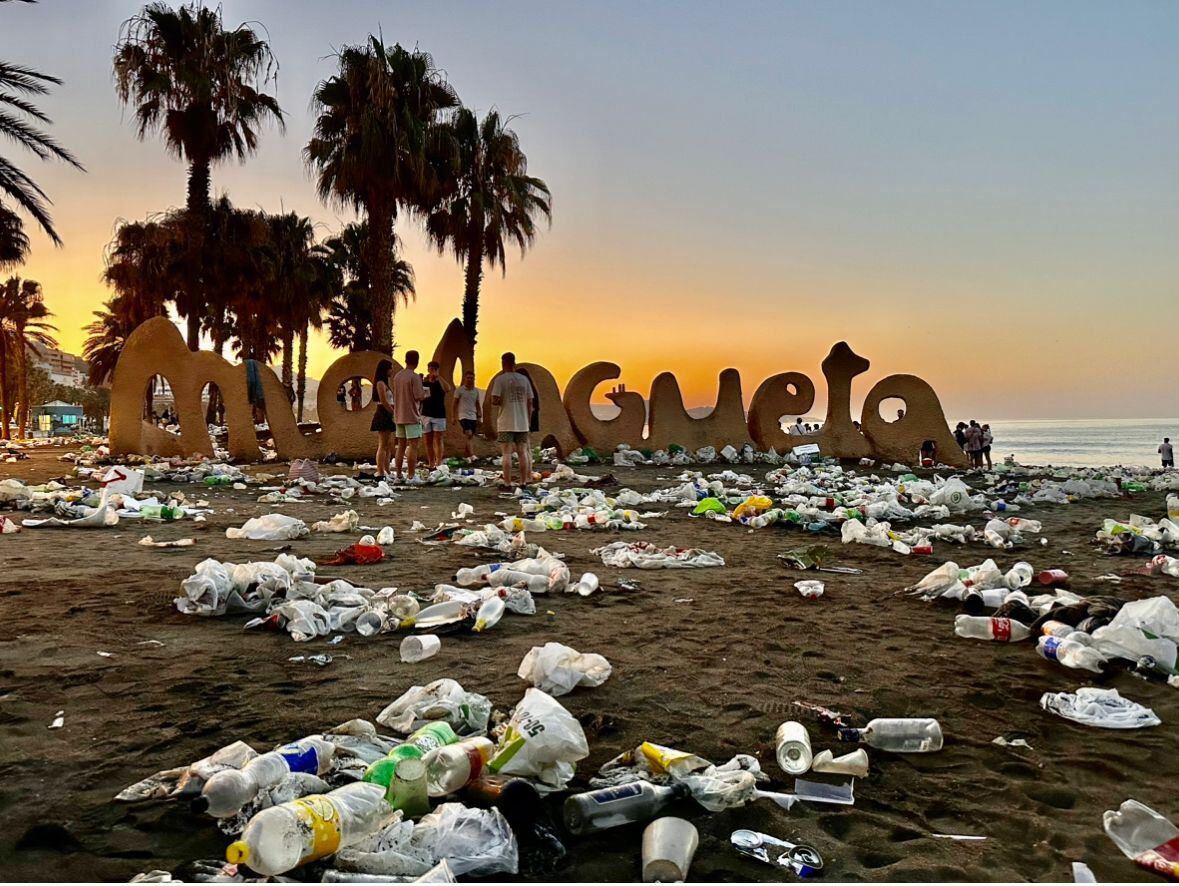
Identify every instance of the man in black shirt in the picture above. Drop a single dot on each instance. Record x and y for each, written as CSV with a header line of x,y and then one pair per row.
x,y
433,415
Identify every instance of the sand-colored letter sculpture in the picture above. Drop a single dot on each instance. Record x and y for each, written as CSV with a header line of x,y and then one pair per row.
x,y
251,390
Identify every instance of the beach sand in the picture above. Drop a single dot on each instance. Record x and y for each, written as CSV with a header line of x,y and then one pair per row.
x,y
713,676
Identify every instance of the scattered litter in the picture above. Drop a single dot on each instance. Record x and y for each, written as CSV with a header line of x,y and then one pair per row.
x,y
58,720
322,659
148,542
1105,708
810,590
557,669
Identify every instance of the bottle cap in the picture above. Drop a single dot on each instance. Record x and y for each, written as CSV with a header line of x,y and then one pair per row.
x,y
237,852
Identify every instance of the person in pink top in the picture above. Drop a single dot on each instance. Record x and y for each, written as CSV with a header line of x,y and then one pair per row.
x,y
408,394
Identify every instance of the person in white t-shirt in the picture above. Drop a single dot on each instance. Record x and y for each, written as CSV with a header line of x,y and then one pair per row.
x,y
512,395
470,413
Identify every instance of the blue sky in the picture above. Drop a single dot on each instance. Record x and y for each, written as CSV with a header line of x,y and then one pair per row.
x,y
984,194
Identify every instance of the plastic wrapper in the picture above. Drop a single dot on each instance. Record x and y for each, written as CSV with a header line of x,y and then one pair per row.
x,y
542,741
269,527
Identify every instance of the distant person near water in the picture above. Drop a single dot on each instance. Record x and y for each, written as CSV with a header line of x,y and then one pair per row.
x,y
987,439
434,414
960,435
408,394
512,394
468,410
1167,451
382,421
974,444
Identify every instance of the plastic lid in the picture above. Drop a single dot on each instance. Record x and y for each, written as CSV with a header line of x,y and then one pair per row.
x,y
237,852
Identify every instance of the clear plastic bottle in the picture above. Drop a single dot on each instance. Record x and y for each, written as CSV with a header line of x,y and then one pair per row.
x,y
490,613
476,574
981,627
300,831
453,767
1070,652
1144,836
610,807
538,584
1053,628
229,790
908,735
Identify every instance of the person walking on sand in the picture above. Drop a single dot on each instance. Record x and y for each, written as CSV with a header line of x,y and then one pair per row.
x,y
468,410
511,393
434,415
1167,451
382,421
408,394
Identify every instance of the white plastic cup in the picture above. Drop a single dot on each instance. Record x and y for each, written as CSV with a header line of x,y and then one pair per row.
x,y
810,589
419,647
792,747
669,845
370,623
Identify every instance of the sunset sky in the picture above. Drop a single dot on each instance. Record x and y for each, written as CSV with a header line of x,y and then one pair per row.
x,y
983,194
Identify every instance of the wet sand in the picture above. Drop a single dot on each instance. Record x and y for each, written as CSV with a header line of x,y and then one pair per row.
x,y
714,676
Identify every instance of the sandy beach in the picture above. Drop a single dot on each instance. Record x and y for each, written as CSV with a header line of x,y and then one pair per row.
x,y
704,660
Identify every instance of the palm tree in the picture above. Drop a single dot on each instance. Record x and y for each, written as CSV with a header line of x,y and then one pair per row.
x,y
20,122
202,87
144,265
23,327
105,339
492,200
376,135
292,238
350,315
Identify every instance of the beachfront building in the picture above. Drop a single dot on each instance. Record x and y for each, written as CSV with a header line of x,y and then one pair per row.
x,y
56,418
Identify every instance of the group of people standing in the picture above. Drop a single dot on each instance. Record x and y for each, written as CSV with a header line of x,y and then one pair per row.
x,y
413,407
975,440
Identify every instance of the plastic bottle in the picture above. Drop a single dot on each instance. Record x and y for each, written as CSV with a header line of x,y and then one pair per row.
x,y
610,807
229,790
476,574
981,627
1151,840
490,613
1071,653
1173,506
299,831
1054,578
158,512
910,735
538,584
1019,576
453,767
1054,628
430,737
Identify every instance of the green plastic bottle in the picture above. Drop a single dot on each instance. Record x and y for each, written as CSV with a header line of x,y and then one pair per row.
x,y
432,735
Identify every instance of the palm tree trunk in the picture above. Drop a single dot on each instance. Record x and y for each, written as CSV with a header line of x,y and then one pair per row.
x,y
198,205
5,393
22,383
288,358
474,277
302,379
380,262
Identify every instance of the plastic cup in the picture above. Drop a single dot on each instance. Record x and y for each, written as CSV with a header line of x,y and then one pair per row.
x,y
793,748
369,623
669,845
420,647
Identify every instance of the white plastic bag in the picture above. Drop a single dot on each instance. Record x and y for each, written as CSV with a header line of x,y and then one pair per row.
x,y
556,669
445,699
269,527
542,741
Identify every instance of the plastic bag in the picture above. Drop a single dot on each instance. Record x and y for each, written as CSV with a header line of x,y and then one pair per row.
x,y
269,527
345,521
445,699
542,741
556,669
474,842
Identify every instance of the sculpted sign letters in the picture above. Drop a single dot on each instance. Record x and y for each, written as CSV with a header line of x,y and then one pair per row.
x,y
566,420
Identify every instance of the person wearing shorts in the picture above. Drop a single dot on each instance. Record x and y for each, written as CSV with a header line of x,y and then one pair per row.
x,y
408,394
511,393
434,414
468,410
